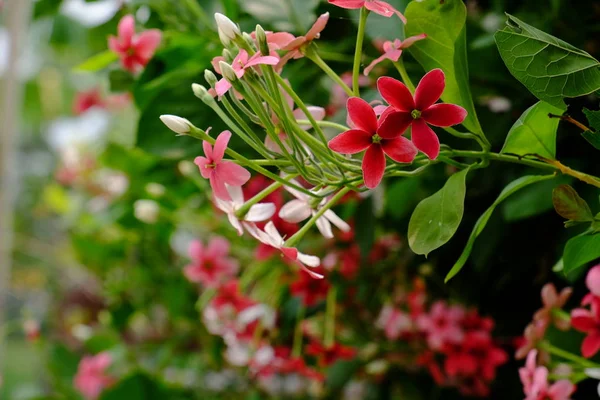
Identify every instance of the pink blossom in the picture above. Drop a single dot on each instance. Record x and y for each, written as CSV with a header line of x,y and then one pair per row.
x,y
257,213
134,50
552,300
377,6
91,378
592,280
218,171
535,382
588,321
240,64
394,322
86,100
210,265
295,48
442,325
533,334
392,50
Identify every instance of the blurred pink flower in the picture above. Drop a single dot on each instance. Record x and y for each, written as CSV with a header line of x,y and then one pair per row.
x,y
91,377
533,334
134,50
442,324
218,171
394,322
535,382
552,300
392,50
210,265
86,100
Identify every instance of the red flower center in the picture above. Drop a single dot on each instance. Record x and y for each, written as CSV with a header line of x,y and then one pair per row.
x,y
376,139
416,114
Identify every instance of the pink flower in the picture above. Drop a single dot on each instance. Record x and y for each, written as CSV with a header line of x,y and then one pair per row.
x,y
134,50
592,280
533,334
394,322
553,300
91,377
377,137
442,325
535,382
210,266
276,40
219,172
393,50
421,110
377,6
295,48
240,64
86,100
588,321
257,213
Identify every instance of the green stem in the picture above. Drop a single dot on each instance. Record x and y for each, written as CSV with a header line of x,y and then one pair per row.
x,y
362,23
300,234
329,338
297,346
402,70
327,124
314,57
568,355
499,157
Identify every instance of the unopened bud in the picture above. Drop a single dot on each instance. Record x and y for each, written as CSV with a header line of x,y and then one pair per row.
x,y
228,72
248,40
228,30
202,93
176,124
227,55
210,78
261,39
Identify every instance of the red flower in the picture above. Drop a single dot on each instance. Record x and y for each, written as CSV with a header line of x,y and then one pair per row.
x,y
86,100
420,110
376,137
588,321
134,50
310,290
329,355
377,6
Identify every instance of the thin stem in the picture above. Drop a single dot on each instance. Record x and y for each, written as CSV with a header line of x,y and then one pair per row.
x,y
568,355
571,120
362,23
327,124
402,70
300,234
329,338
314,57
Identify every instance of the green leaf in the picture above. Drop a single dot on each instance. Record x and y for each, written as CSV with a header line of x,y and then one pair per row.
x,y
97,62
534,132
120,80
550,68
511,188
579,251
445,48
436,218
593,137
569,205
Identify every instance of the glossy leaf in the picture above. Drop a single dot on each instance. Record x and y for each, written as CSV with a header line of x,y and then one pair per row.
x,y
97,62
579,251
550,68
534,132
593,137
436,218
568,204
445,48
485,217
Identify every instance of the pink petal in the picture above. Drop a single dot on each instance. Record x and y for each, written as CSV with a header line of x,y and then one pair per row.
x,y
196,250
279,40
240,60
381,109
147,42
396,94
561,390
394,124
373,166
590,345
351,142
430,89
385,9
116,46
377,61
293,45
348,4
411,40
208,150
290,252
593,280
203,165
425,139
220,146
126,30
318,113
549,295
362,114
318,27
222,87
218,247
400,149
312,274
233,174
583,320
218,187
444,114
267,60
215,63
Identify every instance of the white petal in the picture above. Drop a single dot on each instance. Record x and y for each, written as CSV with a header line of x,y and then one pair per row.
x,y
176,124
236,195
223,205
337,221
260,212
273,233
324,227
593,372
308,260
297,194
295,211
235,223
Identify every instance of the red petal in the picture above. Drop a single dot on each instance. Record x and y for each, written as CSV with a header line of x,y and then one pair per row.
x,y
362,114
444,114
348,4
583,320
396,94
430,89
425,138
373,166
351,142
590,345
290,252
400,149
147,42
394,124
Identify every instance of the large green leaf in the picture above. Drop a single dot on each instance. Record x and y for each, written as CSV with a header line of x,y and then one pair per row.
x,y
445,48
534,132
436,218
549,67
511,188
579,251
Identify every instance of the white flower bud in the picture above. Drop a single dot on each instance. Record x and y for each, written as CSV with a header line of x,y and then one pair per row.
x,y
228,31
202,93
146,211
228,71
176,124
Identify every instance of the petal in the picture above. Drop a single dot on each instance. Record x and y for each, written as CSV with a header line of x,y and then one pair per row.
x,y
290,252
308,260
592,280
278,40
583,320
318,113
232,174
116,46
337,221
222,87
406,43
393,125
444,114
399,149
561,390
208,150
425,139
296,193
549,295
312,274
324,226
235,223
273,233
362,114
375,62
430,89
373,166
217,247
147,42
295,211
317,27
351,142
348,4
215,63
257,59
126,30
260,212
396,94
221,146
196,250
218,187
236,194
590,345
380,7
203,165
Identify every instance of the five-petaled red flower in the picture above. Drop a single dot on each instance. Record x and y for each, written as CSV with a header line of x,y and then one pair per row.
x,y
420,110
376,137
